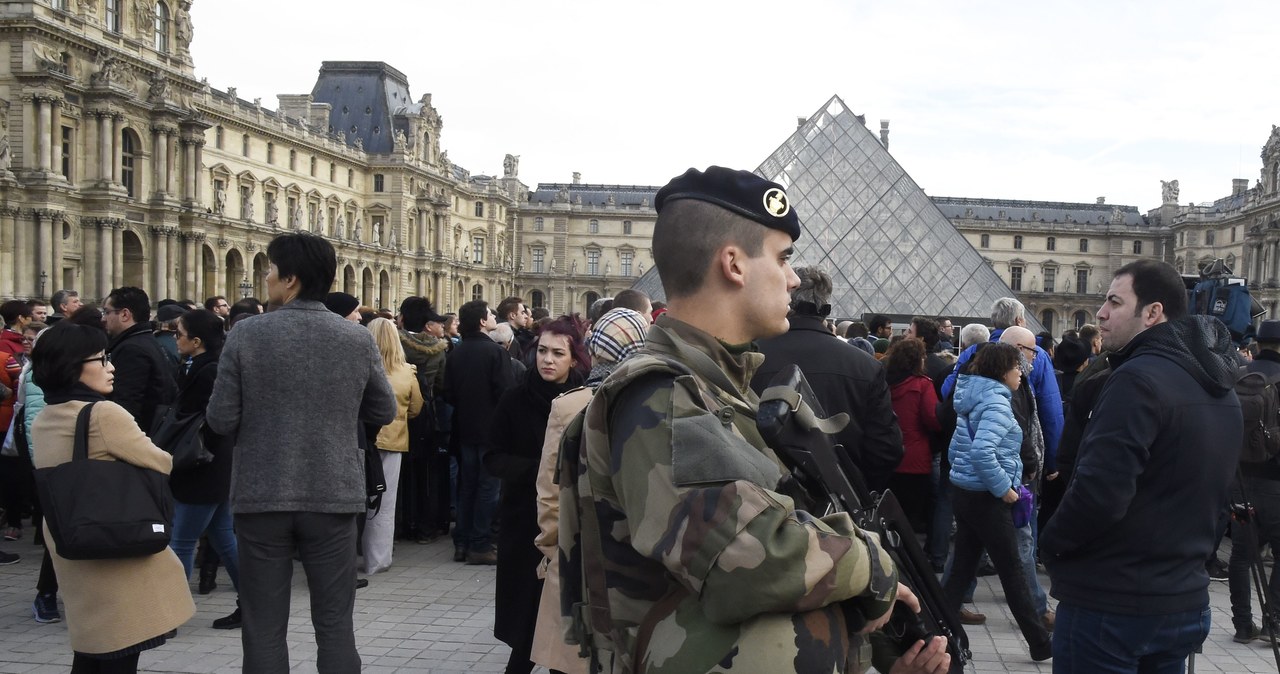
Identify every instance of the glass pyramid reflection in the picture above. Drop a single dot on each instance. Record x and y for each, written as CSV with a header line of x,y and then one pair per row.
x,y
887,247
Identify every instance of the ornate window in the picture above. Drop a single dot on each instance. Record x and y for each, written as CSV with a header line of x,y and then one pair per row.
x,y
593,227
379,182
1137,247
66,152
1082,281
477,292
626,227
627,258
539,255
1084,245
537,299
985,241
271,153
333,172
477,249
593,262
129,148
293,160
113,15
1050,280
479,209
537,224
244,145
1051,243
1017,242
162,27
1015,278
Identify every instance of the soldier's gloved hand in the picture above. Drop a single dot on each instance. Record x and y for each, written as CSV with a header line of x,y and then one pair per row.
x,y
906,596
924,659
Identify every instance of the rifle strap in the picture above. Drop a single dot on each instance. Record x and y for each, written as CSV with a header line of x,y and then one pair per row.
x,y
804,415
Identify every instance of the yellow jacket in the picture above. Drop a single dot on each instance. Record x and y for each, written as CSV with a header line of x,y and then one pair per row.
x,y
394,437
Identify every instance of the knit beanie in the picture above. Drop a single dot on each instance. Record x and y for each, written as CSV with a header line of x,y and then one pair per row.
x,y
341,304
618,334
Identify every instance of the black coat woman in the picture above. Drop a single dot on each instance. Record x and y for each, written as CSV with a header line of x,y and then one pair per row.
x,y
518,427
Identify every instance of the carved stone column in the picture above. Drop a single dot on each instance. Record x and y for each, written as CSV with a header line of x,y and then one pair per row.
x,y
159,261
175,259
59,252
43,122
188,170
44,242
220,277
171,171
106,257
197,168
198,291
55,138
8,246
104,146
117,254
189,276
117,152
159,159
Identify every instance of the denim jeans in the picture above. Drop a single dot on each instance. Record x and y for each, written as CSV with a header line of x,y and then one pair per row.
x,y
1086,641
1027,537
1264,496
190,520
477,501
939,542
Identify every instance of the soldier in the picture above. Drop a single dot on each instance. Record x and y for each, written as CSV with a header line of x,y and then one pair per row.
x,y
708,564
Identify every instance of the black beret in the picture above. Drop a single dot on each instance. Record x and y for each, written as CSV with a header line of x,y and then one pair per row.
x,y
741,192
1269,331
341,304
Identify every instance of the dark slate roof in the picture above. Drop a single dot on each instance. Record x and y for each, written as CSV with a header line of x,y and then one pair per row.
x,y
366,96
1031,211
595,195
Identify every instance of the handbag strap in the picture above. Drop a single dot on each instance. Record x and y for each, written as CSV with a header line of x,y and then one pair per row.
x,y
80,449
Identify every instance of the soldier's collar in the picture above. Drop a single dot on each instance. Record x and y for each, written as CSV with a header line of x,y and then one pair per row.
x,y
737,363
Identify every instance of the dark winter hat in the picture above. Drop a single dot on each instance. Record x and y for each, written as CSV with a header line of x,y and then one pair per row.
x,y
169,312
1070,355
741,192
341,304
1269,331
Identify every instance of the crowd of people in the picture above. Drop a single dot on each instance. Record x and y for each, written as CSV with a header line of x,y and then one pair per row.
x,y
336,430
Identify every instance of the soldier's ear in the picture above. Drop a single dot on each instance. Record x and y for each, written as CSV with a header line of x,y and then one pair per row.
x,y
731,263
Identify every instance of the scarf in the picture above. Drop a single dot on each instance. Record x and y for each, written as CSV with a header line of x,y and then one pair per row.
x,y
77,392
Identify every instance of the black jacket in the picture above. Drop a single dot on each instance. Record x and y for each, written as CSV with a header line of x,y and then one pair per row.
x,y
144,376
1152,475
845,379
1268,363
210,483
476,373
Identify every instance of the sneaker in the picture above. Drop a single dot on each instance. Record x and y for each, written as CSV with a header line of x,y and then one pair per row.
x,y
45,608
362,583
230,622
1246,635
488,557
7,558
1049,618
968,617
1216,569
13,534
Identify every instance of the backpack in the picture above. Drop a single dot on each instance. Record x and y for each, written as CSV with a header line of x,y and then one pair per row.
x,y
1260,406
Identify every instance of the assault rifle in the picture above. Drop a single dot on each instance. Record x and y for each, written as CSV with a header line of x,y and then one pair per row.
x,y
792,422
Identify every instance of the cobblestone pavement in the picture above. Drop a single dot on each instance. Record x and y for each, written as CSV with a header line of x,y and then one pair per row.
x,y
429,614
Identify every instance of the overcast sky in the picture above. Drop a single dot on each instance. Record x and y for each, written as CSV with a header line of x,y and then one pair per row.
x,y
985,99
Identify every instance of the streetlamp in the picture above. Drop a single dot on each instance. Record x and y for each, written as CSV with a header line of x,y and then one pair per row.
x,y
246,288
44,278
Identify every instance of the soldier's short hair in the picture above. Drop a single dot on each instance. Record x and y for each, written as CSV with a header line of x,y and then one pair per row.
x,y
1006,311
686,237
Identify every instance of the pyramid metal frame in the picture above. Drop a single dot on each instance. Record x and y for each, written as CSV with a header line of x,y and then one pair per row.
x,y
888,248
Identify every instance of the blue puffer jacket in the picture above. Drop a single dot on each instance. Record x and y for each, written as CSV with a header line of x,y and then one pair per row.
x,y
984,450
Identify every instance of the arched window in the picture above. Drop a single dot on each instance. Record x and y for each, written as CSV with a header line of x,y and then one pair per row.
x,y
477,292
1046,319
162,27
593,227
1080,318
129,148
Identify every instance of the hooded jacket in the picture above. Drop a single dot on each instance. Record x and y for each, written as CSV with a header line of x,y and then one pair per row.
x,y
1139,519
984,451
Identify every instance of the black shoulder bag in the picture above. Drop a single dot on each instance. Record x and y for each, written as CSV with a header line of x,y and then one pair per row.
x,y
104,509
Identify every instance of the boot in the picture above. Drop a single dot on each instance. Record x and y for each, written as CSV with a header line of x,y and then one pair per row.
x,y
208,580
230,622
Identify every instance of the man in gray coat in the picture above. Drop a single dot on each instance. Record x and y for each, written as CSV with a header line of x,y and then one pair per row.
x,y
294,387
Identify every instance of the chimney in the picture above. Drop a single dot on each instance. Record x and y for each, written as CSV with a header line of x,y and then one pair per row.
x,y
297,106
1102,200
577,178
320,116
800,121
1239,186
884,133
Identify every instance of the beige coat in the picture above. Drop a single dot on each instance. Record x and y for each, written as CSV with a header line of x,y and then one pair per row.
x,y
112,604
549,648
394,437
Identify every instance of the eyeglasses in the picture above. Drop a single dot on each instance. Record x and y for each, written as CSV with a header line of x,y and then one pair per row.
x,y
1029,350
104,359
108,312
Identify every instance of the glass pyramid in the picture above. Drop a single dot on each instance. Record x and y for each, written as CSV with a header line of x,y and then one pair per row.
x,y
888,249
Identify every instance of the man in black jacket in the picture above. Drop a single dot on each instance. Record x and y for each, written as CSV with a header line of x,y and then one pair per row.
x,y
476,373
1261,483
145,378
1126,549
844,378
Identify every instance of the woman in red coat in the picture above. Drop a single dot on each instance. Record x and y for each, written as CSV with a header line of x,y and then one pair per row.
x,y
915,402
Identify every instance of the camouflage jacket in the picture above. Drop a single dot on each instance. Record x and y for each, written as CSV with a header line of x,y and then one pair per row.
x,y
709,566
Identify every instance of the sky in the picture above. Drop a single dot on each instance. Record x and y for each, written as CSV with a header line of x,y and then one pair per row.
x,y
1063,102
